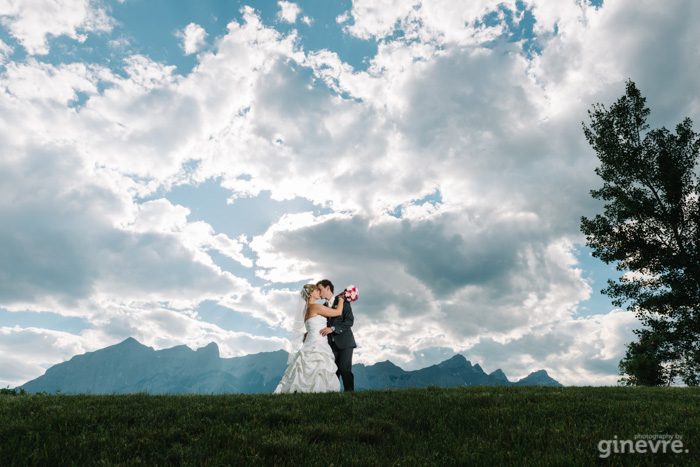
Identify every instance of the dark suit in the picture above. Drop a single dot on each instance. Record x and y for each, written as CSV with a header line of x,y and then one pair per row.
x,y
342,342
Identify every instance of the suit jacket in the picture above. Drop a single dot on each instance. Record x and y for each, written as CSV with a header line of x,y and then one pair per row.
x,y
342,336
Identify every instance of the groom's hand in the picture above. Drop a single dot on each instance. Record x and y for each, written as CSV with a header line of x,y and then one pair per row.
x,y
326,331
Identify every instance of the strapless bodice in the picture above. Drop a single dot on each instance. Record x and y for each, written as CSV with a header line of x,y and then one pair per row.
x,y
317,322
313,327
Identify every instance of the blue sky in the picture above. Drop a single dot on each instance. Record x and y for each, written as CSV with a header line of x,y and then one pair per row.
x,y
174,171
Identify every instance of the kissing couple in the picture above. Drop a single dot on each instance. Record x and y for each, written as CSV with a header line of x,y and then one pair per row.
x,y
322,341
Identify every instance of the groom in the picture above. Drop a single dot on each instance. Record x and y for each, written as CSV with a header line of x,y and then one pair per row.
x,y
339,335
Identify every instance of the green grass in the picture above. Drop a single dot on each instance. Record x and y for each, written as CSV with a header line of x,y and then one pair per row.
x,y
433,426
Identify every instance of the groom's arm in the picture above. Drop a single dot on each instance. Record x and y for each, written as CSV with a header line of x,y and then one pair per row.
x,y
347,321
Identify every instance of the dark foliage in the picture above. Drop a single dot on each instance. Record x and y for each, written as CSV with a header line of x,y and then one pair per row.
x,y
650,226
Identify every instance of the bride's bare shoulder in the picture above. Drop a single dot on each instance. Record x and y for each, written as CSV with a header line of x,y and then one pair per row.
x,y
313,310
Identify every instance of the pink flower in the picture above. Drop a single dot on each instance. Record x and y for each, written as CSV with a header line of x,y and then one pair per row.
x,y
350,293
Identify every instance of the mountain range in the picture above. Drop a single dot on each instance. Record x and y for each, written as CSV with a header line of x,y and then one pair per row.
x,y
131,367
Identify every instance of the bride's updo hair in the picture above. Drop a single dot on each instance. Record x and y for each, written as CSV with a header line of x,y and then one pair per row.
x,y
307,290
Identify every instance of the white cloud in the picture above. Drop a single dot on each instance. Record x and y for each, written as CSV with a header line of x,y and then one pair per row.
x,y
28,352
439,21
31,22
5,52
160,216
342,18
583,351
288,12
59,241
193,38
376,18
595,50
37,81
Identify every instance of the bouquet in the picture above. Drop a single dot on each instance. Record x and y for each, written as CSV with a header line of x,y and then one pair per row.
x,y
350,293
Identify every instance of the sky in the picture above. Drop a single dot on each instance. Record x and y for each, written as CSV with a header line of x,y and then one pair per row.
x,y
174,171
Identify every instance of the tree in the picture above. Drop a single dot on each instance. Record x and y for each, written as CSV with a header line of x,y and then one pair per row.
x,y
650,226
643,364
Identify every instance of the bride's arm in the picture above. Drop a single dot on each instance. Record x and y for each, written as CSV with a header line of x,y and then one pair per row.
x,y
328,312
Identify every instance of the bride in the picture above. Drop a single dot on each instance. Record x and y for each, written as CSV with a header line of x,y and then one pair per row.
x,y
311,363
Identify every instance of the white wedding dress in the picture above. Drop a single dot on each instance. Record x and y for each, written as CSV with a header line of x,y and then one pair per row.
x,y
313,367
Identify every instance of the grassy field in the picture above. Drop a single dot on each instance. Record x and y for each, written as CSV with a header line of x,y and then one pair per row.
x,y
433,426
